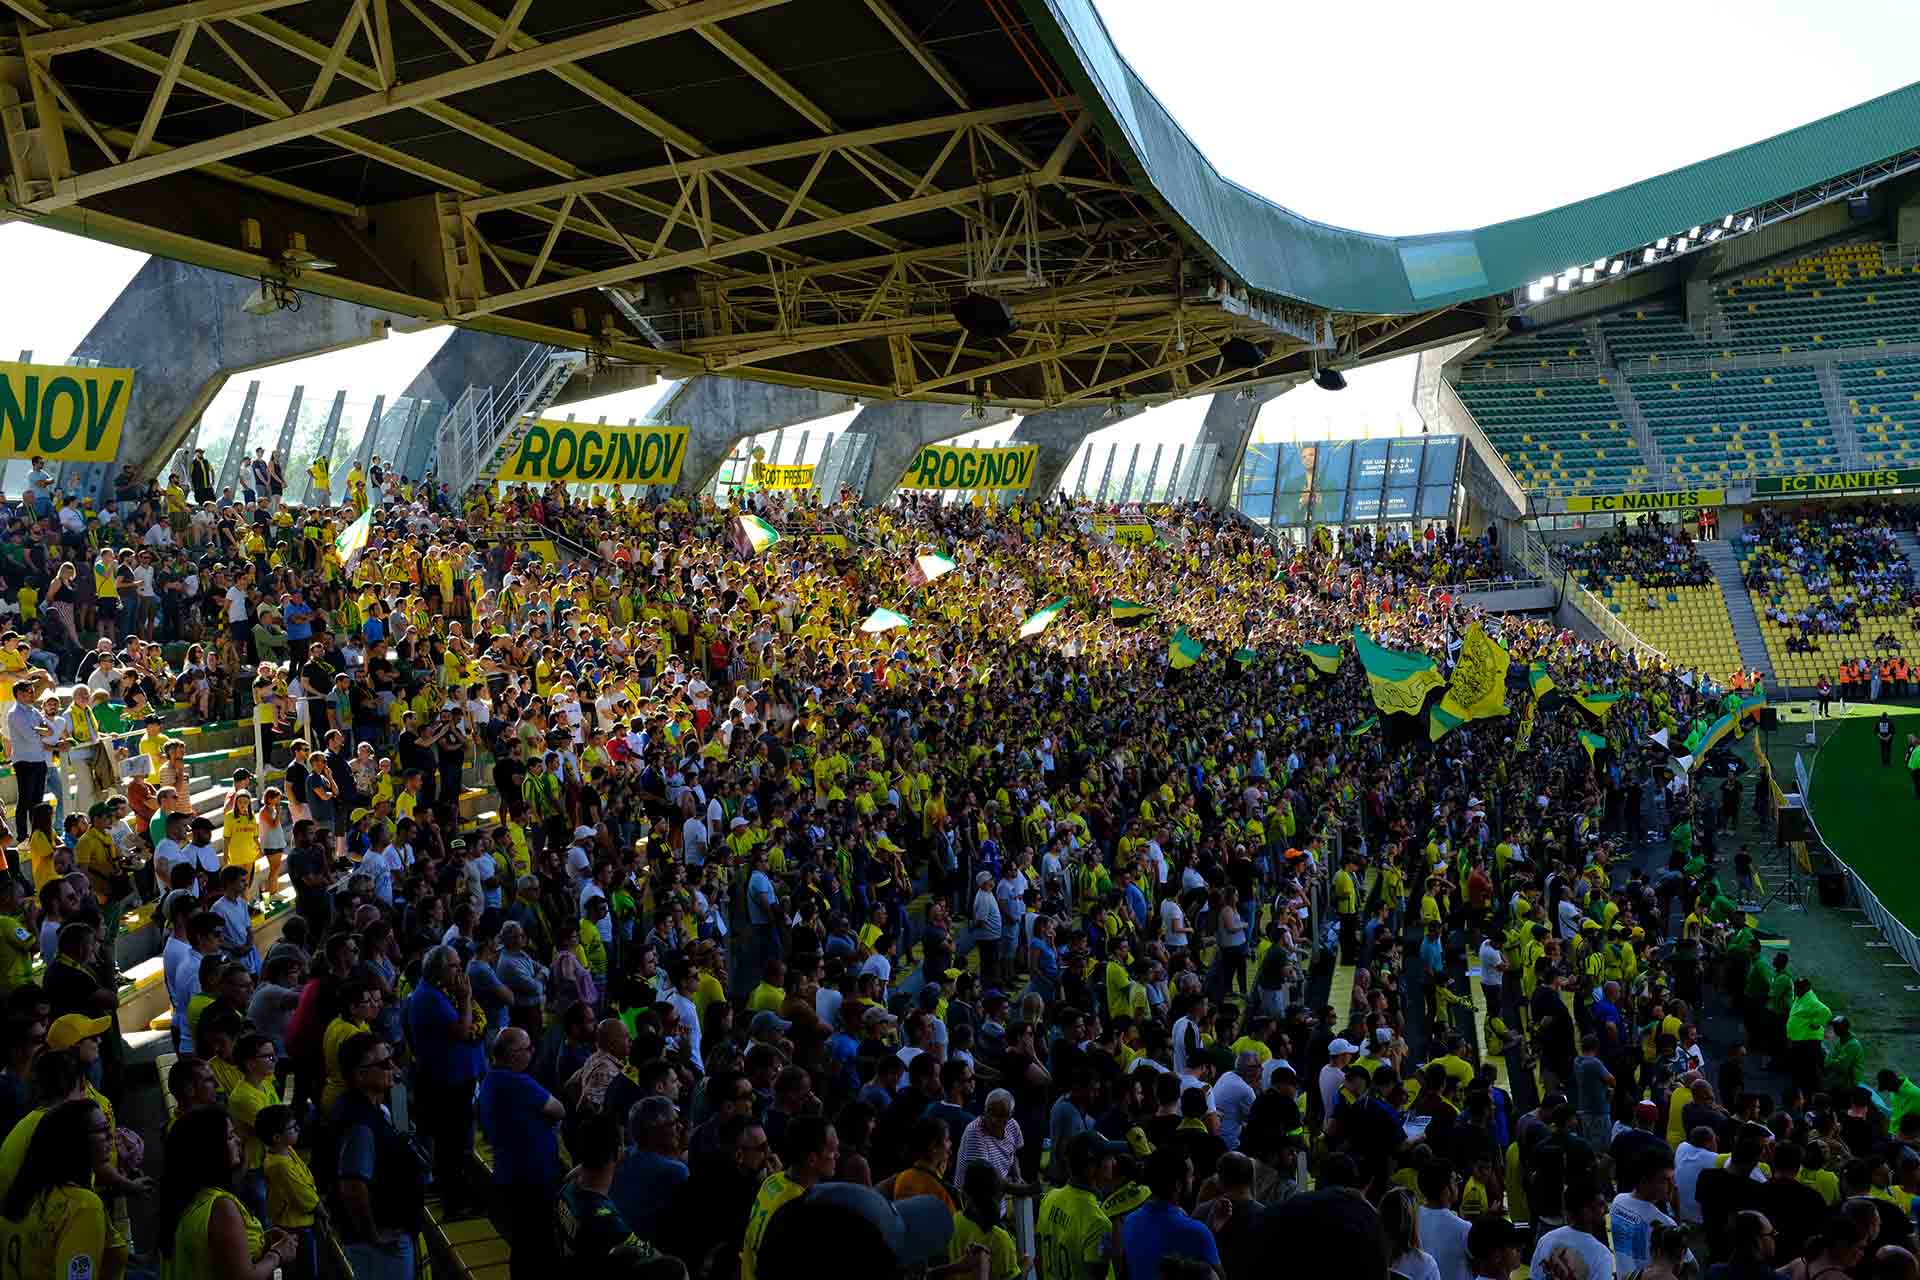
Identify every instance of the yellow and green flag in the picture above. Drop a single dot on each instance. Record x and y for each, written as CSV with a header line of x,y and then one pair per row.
x,y
1592,742
1365,726
1539,680
757,533
1245,657
1479,686
1401,681
1123,610
1597,705
1324,657
1183,650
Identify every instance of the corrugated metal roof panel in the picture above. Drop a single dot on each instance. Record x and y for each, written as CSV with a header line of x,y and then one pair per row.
x,y
1278,251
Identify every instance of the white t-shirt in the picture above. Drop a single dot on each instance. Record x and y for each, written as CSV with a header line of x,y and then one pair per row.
x,y
1594,1253
1630,1223
1173,923
1443,1233
1688,1162
1233,1098
579,864
236,603
1417,1265
694,833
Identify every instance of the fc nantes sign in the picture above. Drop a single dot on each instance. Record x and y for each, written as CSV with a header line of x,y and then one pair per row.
x,y
1676,500
1840,482
940,467
62,414
581,453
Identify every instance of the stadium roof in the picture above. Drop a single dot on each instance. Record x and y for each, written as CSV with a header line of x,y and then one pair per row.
x,y
791,190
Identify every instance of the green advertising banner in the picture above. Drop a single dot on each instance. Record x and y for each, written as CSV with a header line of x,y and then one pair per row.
x,y
1838,482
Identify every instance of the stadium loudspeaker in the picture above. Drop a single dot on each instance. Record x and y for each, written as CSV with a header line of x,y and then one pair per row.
x,y
1522,324
983,317
1330,380
1769,718
1860,207
1793,823
1242,354
1833,889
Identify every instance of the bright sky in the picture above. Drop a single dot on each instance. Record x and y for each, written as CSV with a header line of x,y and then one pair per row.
x,y
1403,123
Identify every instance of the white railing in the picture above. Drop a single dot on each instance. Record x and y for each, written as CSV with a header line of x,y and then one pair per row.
x,y
483,417
1898,936
1552,371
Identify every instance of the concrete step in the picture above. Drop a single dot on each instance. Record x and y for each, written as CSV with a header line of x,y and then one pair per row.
x,y
1720,557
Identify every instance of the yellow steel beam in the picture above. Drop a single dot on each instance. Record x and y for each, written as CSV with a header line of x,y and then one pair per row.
x,y
403,97
138,26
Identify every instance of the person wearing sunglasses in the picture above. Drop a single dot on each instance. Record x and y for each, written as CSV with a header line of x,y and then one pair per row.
x,y
377,1231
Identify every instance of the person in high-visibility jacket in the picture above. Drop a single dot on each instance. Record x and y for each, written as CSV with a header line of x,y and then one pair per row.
x,y
1807,1020
1346,903
1844,1067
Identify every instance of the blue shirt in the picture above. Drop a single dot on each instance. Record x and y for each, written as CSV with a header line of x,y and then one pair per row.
x,y
375,631
485,982
643,1190
525,1146
1158,1230
297,616
1137,904
760,898
440,1058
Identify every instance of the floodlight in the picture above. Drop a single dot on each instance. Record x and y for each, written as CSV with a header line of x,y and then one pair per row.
x,y
1615,267
1726,223
1242,354
1646,257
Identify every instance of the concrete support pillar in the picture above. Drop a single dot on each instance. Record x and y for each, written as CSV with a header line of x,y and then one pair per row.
x,y
1229,424
898,429
183,332
1060,433
721,412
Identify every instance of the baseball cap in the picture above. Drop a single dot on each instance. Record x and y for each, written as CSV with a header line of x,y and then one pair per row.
x,y
1342,1046
766,1022
70,1029
584,833
358,814
874,1016
1382,1035
1489,1234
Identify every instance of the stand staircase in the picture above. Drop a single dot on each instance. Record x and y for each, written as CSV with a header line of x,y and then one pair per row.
x,y
1733,589
486,424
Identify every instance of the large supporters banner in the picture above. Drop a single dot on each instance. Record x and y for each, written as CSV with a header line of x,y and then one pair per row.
x,y
62,413
585,453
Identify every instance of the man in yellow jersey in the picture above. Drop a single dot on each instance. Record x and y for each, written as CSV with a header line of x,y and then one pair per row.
x,y
1073,1236
810,1152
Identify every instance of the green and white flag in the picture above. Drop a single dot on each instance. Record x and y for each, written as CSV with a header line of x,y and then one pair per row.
x,y
1040,619
883,620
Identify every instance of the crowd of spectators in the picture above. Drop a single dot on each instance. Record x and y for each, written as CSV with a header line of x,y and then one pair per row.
x,y
651,908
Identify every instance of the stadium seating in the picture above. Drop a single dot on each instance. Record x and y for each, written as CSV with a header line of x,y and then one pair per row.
x,y
1875,554
1651,334
1537,350
1560,436
1689,624
1883,398
1845,297
1720,426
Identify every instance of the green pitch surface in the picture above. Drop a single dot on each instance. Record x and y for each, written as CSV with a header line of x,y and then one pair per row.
x,y
1865,811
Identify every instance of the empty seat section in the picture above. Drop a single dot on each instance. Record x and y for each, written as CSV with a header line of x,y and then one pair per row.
x,y
1559,436
1536,350
1883,399
1651,334
1728,425
1845,297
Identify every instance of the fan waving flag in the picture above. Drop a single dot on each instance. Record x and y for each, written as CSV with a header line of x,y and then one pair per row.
x,y
353,539
883,620
1040,619
1539,680
929,567
757,534
1592,742
1479,686
1597,705
1324,657
1123,610
1183,650
1401,681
